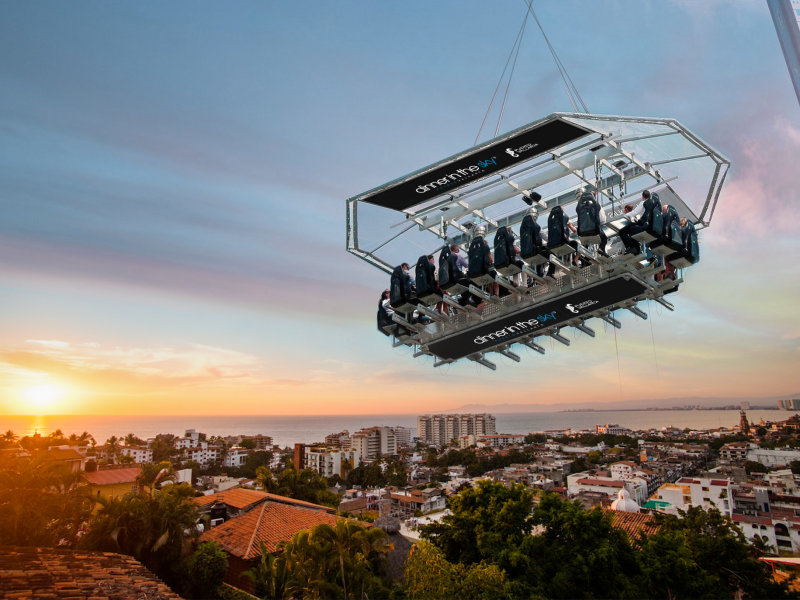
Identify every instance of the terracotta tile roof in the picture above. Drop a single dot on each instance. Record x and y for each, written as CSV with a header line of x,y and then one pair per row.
x,y
64,454
633,523
601,482
113,476
271,523
240,499
27,572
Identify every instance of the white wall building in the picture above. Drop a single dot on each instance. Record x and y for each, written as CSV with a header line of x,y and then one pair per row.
x,y
374,442
139,454
190,439
440,430
695,491
586,482
236,457
331,461
773,458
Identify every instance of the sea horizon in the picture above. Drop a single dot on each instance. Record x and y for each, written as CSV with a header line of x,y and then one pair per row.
x,y
287,430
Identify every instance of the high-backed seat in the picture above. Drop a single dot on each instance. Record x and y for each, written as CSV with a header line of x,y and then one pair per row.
x,y
531,246
689,254
400,296
505,255
480,270
653,221
671,239
588,211
428,291
558,242
451,279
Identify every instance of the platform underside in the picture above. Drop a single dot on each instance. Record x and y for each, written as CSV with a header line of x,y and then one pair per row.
x,y
544,309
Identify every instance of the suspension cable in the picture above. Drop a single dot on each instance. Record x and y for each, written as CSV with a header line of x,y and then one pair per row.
x,y
511,74
514,49
568,83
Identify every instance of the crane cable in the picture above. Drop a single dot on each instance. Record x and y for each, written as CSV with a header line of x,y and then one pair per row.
x,y
514,52
575,97
568,83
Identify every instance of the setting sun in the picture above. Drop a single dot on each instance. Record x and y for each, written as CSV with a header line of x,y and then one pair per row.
x,y
43,398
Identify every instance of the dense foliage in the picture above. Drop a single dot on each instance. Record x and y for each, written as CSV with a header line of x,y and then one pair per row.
x,y
305,485
341,561
563,551
156,529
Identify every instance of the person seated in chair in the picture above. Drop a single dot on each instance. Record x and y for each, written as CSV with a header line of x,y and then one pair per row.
x,y
462,264
636,224
411,280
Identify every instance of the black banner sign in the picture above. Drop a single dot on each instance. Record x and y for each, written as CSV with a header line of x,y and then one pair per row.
x,y
530,320
476,165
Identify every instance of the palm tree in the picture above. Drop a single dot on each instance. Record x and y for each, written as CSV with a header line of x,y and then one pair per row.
x,y
86,438
8,438
112,447
270,577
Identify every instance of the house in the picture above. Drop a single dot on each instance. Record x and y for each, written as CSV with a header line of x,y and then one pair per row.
x,y
67,456
140,454
236,456
693,491
29,572
263,517
113,483
405,504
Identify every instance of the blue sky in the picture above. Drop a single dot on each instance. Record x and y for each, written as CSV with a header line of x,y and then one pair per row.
x,y
173,180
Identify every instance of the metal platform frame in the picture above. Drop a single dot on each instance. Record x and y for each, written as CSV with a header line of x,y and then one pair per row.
x,y
617,156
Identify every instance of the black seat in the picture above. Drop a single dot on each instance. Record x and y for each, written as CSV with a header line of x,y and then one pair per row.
x,y
480,270
400,296
428,291
588,219
653,222
451,279
689,254
531,246
558,242
671,239
505,255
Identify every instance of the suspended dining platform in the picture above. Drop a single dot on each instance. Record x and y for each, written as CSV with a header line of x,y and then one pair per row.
x,y
528,292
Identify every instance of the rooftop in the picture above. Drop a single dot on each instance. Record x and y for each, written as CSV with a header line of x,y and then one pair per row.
x,y
27,572
113,476
240,499
271,523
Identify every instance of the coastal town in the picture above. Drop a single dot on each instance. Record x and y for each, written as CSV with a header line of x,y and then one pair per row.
x,y
252,497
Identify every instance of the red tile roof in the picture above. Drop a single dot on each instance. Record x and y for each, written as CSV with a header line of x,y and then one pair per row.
x,y
271,523
64,454
113,476
240,498
602,482
57,573
633,523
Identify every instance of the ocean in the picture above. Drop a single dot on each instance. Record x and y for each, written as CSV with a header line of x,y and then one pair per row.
x,y
286,430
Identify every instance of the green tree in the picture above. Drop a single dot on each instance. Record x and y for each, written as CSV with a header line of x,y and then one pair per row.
x,y
41,503
248,443
254,460
488,522
579,554
133,440
702,554
113,447
305,485
163,447
157,530
340,561
206,569
751,466
152,475
429,576
270,577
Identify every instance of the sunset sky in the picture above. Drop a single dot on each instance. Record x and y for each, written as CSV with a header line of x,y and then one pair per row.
x,y
173,178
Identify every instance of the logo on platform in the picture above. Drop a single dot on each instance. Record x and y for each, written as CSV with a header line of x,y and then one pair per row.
x,y
510,151
576,308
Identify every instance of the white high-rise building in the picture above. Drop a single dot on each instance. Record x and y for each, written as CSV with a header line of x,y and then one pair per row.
x,y
374,442
440,430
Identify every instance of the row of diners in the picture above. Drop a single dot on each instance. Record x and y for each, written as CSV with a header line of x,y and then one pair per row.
x,y
658,233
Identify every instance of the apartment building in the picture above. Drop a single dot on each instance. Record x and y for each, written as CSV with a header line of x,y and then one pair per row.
x,y
374,442
340,440
236,457
440,430
695,491
330,460
140,454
